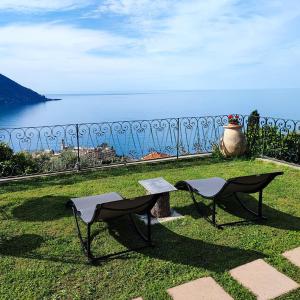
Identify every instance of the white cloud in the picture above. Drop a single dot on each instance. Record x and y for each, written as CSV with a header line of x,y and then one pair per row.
x,y
136,7
173,44
46,38
206,28
55,53
140,14
36,5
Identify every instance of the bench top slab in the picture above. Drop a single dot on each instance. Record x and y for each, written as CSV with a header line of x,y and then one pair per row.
x,y
157,185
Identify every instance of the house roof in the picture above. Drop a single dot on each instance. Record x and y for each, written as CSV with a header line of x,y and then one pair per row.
x,y
155,155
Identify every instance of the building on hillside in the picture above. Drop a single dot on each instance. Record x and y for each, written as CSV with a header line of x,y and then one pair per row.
x,y
106,152
103,152
155,155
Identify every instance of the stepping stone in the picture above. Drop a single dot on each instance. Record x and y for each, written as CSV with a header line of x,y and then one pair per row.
x,y
139,298
293,256
263,280
201,289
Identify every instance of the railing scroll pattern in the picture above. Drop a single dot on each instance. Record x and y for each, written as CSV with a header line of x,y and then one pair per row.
x,y
46,149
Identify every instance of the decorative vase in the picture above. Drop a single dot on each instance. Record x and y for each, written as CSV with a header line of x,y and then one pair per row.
x,y
233,142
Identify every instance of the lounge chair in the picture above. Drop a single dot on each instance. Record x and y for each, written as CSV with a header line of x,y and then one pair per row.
x,y
110,206
218,188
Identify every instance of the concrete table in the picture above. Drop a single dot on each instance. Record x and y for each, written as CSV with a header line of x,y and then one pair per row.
x,y
159,186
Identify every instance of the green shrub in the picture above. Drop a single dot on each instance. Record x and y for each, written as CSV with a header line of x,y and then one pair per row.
x,y
271,141
13,164
42,160
216,152
6,168
252,135
23,164
68,159
283,146
5,152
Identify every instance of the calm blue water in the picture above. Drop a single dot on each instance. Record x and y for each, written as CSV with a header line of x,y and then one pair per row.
x,y
284,103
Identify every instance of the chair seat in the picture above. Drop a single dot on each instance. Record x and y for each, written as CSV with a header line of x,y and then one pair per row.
x,y
86,206
207,187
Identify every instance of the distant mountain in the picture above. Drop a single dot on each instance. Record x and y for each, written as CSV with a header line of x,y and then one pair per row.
x,y
14,93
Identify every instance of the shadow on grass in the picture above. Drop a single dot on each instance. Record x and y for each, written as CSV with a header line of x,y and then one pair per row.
x,y
170,246
69,179
20,245
45,208
275,218
3,213
23,246
180,249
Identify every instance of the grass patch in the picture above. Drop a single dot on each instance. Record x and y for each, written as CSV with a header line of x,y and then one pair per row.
x,y
41,256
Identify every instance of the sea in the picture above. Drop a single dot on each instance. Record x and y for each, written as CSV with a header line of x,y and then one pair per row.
x,y
123,106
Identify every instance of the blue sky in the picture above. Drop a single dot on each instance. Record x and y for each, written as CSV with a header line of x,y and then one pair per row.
x,y
63,46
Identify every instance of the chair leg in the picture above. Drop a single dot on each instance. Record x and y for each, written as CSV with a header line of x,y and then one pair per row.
x,y
88,243
79,231
213,220
149,232
146,238
85,244
258,214
214,213
195,201
260,204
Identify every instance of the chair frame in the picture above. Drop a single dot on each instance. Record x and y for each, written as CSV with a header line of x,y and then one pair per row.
x,y
258,215
218,197
86,243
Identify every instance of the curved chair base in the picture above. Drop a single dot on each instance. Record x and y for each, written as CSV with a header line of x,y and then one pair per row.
x,y
258,215
86,244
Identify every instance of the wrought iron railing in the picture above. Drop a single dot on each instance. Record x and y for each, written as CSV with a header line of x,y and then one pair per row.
x,y
47,149
273,137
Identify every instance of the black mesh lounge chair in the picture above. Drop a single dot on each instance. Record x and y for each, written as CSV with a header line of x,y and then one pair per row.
x,y
110,206
218,188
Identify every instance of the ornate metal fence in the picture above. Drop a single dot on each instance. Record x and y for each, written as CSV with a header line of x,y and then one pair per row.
x,y
273,137
46,149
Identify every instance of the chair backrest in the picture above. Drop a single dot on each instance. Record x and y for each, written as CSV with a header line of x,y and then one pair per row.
x,y
248,184
119,208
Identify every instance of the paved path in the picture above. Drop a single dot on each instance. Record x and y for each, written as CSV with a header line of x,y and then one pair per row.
x,y
260,278
293,256
264,281
204,288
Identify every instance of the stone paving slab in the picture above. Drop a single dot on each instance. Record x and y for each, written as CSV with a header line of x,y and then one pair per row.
x,y
293,256
201,289
139,298
263,280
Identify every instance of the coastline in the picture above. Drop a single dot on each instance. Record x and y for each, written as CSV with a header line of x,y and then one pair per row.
x,y
53,99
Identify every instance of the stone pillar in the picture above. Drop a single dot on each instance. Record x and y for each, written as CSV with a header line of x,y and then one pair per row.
x,y
162,209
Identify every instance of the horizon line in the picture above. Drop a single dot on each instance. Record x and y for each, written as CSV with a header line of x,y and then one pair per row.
x,y
141,92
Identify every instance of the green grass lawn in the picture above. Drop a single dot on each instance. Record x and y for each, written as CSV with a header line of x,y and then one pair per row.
x,y
41,256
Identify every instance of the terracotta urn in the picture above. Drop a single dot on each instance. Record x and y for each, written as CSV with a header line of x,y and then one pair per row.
x,y
233,142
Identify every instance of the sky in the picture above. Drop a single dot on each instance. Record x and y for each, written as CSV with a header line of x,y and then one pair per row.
x,y
90,46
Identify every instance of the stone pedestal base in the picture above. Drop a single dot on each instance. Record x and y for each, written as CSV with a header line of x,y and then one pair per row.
x,y
174,216
162,209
